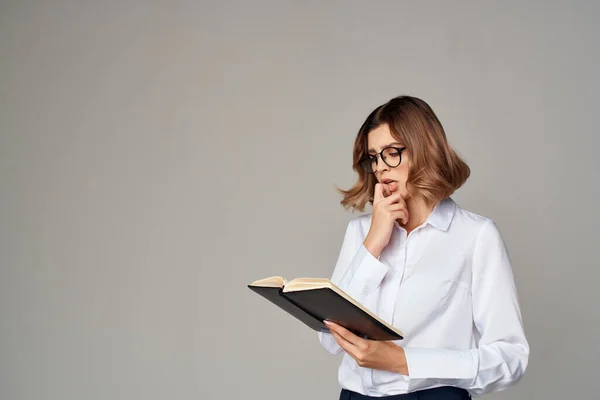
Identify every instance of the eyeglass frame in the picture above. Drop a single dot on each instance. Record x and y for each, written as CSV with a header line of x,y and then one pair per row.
x,y
379,155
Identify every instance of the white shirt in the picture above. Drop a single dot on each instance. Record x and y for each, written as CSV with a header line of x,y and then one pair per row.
x,y
449,288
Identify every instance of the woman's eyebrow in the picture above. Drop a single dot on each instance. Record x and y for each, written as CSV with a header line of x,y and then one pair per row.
x,y
387,145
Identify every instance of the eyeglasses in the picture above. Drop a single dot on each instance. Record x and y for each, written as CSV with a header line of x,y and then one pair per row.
x,y
391,156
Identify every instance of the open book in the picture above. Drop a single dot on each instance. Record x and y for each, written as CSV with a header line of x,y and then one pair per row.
x,y
313,300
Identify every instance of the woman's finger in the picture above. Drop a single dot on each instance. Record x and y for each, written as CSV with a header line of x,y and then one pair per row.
x,y
402,215
346,345
396,207
378,193
343,332
395,197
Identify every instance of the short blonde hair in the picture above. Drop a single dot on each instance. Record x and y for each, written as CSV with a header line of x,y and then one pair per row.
x,y
436,171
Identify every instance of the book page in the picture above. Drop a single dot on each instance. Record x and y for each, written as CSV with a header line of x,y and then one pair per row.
x,y
272,281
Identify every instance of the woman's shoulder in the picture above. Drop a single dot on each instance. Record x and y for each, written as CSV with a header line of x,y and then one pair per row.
x,y
359,224
363,220
471,220
468,216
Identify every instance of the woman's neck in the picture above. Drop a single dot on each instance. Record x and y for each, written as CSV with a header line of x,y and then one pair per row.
x,y
418,212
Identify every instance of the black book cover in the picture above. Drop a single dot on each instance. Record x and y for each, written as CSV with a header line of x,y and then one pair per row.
x,y
273,294
326,304
314,306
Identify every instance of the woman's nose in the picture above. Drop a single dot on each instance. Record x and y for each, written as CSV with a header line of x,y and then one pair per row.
x,y
380,166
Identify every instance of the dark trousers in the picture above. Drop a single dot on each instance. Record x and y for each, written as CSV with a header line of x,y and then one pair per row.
x,y
439,393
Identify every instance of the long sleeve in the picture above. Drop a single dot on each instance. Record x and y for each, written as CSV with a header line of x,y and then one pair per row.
x,y
357,273
502,352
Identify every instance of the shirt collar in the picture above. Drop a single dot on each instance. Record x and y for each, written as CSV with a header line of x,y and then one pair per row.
x,y
442,214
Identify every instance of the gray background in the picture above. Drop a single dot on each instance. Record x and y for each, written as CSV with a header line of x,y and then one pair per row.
x,y
155,157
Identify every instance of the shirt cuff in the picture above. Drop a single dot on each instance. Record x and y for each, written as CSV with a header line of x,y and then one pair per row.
x,y
441,363
364,275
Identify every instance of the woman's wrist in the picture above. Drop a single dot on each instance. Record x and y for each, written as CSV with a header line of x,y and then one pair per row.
x,y
374,250
402,366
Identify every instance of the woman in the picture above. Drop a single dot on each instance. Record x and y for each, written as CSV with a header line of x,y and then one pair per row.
x,y
439,273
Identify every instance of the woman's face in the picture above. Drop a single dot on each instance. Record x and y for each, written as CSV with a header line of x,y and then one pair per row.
x,y
379,139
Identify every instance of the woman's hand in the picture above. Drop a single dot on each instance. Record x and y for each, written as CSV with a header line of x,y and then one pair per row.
x,y
382,355
388,206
